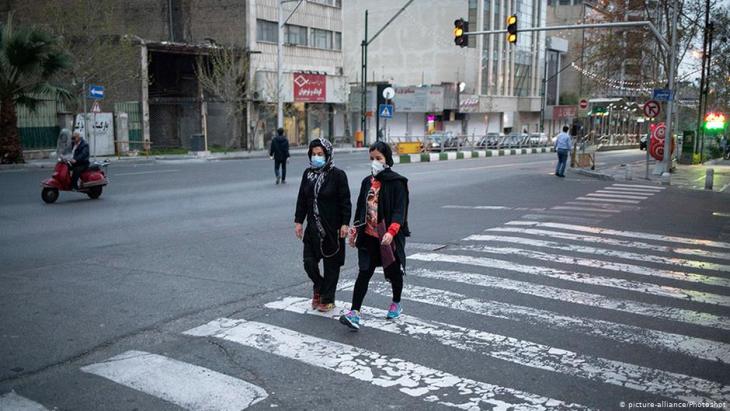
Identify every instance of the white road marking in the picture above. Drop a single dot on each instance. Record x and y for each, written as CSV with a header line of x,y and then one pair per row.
x,y
608,200
613,241
624,333
620,207
639,186
634,234
14,402
413,379
601,210
137,173
583,278
631,193
602,264
566,219
186,385
531,354
616,196
677,262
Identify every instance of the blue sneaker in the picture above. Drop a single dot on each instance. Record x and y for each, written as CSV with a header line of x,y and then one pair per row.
x,y
351,319
394,311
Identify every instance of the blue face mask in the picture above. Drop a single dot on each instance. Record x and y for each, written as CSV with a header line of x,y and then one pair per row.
x,y
317,161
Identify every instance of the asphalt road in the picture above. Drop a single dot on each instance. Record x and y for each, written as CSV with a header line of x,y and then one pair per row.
x,y
549,318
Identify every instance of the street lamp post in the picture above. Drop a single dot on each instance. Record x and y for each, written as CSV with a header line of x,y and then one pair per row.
x,y
668,139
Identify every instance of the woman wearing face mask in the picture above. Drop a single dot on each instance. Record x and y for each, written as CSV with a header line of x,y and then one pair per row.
x,y
381,228
324,199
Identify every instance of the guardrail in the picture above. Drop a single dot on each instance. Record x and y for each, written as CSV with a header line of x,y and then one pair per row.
x,y
443,143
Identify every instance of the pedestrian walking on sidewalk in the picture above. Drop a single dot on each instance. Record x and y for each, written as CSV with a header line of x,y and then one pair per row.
x,y
324,200
724,147
563,145
279,152
379,231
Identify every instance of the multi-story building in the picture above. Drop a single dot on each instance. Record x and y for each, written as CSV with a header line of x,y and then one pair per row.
x,y
489,86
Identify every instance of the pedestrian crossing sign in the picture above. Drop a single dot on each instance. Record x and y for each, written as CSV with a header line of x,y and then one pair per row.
x,y
385,111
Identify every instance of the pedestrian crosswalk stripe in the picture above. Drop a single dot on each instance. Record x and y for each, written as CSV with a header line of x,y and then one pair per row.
x,y
634,234
579,297
531,354
639,186
14,402
574,213
599,195
186,385
415,380
608,200
631,193
549,217
606,206
585,209
582,278
631,190
649,258
602,264
623,333
613,241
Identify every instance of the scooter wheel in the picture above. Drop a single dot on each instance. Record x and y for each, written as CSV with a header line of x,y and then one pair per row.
x,y
94,193
49,195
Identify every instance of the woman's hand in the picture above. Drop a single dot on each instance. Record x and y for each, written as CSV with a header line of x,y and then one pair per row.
x,y
353,237
298,231
387,239
343,231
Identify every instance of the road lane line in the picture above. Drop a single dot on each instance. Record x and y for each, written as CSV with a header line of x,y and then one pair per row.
x,y
626,255
603,265
623,333
608,200
530,354
14,402
612,241
415,380
137,173
633,234
577,277
186,385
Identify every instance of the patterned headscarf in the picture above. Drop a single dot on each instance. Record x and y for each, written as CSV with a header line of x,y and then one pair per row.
x,y
318,175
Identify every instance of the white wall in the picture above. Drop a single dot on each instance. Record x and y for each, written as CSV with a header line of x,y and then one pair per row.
x,y
475,124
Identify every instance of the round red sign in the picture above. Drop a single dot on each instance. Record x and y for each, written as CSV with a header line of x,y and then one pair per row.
x,y
583,104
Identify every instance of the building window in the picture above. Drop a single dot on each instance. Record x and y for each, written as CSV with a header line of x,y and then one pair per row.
x,y
338,41
473,22
333,3
296,35
267,31
321,39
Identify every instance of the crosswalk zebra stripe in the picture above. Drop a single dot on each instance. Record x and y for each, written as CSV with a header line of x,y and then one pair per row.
x,y
619,207
640,187
612,241
14,402
602,264
428,384
579,297
631,190
549,217
582,278
600,210
623,333
531,354
633,234
574,213
186,385
631,193
677,262
608,200
633,197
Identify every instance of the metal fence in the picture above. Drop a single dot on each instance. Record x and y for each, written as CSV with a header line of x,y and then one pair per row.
x,y
438,143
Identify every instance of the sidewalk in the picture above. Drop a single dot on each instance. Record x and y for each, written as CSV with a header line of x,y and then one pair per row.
x,y
690,177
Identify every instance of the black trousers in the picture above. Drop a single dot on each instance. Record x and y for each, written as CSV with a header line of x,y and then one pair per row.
x,y
325,284
282,164
393,273
76,174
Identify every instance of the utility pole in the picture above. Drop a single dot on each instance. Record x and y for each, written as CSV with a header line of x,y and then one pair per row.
x,y
280,57
668,138
707,85
700,112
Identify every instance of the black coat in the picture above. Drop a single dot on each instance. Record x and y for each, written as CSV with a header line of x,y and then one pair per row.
x,y
81,155
393,204
335,210
279,148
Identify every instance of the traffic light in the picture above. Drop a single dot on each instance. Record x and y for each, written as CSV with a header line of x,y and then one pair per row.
x,y
512,29
461,27
714,121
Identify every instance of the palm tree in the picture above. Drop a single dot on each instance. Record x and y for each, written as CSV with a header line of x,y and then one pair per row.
x,y
29,59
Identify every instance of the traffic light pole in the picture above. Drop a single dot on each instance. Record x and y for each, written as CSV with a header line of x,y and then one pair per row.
x,y
668,138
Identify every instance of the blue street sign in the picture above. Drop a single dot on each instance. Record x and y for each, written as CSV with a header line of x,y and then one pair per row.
x,y
385,111
662,94
96,92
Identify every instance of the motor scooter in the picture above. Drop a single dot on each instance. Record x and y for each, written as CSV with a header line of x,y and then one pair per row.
x,y
91,182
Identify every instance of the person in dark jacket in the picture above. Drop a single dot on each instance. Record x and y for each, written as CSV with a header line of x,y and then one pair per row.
x,y
324,200
380,231
80,160
279,152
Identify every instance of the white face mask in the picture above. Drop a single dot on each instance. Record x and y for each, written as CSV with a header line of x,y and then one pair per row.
x,y
376,167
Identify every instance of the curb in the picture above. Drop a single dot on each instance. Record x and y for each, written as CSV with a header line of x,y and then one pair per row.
x,y
453,155
594,174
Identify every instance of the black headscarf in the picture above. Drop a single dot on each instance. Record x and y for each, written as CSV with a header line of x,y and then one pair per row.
x,y
385,150
318,175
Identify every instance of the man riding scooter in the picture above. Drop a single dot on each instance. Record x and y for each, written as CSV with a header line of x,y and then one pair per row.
x,y
80,160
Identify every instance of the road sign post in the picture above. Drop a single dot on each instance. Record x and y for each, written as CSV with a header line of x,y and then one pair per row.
x,y
652,108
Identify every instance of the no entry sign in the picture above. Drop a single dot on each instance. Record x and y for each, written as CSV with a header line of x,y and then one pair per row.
x,y
652,108
583,104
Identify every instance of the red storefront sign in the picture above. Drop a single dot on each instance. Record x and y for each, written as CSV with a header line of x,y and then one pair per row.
x,y
565,111
310,88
